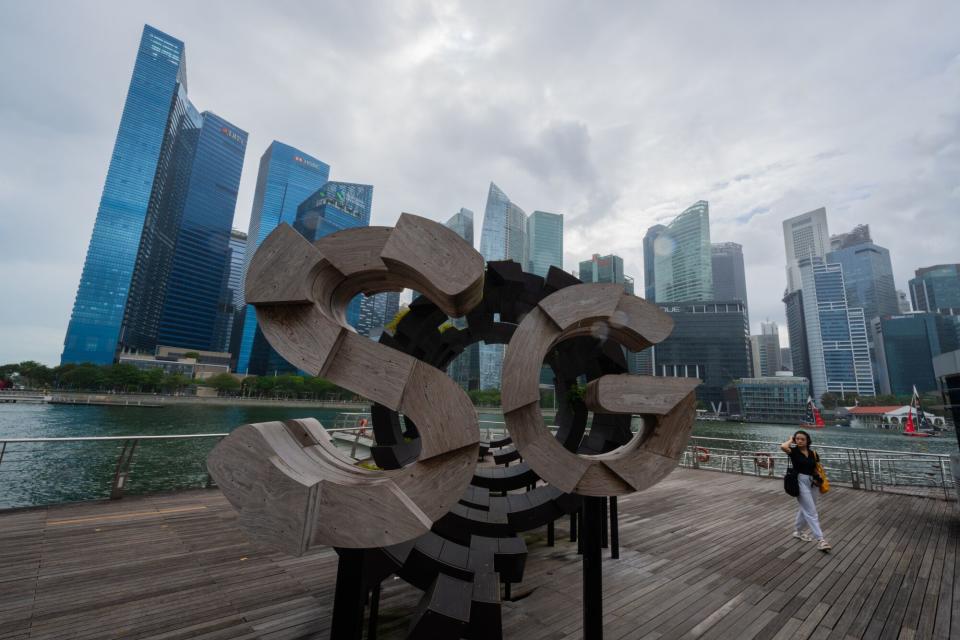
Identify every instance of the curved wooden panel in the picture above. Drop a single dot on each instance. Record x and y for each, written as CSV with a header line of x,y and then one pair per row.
x,y
666,404
290,473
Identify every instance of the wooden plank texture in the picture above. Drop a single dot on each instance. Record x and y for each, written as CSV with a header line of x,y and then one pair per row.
x,y
703,555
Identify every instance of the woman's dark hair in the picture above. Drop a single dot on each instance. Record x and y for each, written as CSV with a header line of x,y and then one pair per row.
x,y
809,439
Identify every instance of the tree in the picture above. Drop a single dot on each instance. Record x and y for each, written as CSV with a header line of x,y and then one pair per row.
x,y
192,354
175,381
35,374
123,377
86,376
223,382
829,400
152,379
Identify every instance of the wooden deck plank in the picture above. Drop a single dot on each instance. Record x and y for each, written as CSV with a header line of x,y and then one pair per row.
x,y
703,555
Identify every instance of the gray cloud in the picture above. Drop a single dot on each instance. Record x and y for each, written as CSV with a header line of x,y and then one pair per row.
x,y
617,114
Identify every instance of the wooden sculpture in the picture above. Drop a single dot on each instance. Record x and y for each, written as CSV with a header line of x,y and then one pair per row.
x,y
291,485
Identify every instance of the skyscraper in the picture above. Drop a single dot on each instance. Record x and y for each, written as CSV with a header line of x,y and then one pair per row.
x,y
797,331
544,235
729,277
603,269
786,359
285,179
709,341
683,265
502,238
867,272
231,299
650,248
202,251
167,206
903,301
334,207
804,236
906,346
936,288
465,368
765,349
376,312
838,350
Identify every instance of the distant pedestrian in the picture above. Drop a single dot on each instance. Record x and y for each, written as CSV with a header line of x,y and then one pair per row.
x,y
804,461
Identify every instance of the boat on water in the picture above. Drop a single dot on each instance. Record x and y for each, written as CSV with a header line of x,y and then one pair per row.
x,y
813,419
922,428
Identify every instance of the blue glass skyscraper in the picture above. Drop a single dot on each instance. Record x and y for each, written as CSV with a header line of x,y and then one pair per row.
x,y
334,207
501,238
156,181
201,257
839,353
231,298
285,179
102,295
544,236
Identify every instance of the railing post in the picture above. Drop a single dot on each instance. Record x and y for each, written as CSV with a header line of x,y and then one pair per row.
x,y
2,451
740,458
122,472
693,457
854,477
943,481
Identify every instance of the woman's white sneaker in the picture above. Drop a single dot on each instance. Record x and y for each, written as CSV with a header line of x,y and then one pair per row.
x,y
806,537
823,545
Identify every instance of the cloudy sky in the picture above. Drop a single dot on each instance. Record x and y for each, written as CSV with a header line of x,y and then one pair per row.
x,y
618,115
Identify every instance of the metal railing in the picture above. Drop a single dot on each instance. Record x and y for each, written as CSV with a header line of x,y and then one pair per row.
x,y
925,474
38,471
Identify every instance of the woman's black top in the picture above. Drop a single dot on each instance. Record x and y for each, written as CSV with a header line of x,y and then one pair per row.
x,y
803,464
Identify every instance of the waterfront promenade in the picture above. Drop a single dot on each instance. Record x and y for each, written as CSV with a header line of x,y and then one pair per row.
x,y
703,555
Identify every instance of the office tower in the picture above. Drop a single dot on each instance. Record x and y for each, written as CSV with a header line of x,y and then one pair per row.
x,y
544,235
867,273
231,297
202,253
710,341
805,236
169,193
683,265
462,224
906,346
729,277
786,359
903,302
376,312
797,332
936,288
285,178
465,368
650,248
837,345
501,238
610,269
765,349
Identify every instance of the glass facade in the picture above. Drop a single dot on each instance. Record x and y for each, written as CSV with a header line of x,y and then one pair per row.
x,y
936,289
231,297
544,242
729,277
501,238
777,399
765,350
906,346
683,264
95,323
334,207
867,273
155,265
602,269
201,257
649,261
376,312
837,345
287,176
465,368
710,341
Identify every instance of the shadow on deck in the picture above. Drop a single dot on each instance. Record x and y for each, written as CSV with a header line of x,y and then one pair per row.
x,y
703,555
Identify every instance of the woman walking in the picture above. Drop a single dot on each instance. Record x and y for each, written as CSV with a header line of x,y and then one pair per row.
x,y
804,462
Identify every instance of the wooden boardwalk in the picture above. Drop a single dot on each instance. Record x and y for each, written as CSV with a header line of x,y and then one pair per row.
x,y
703,555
